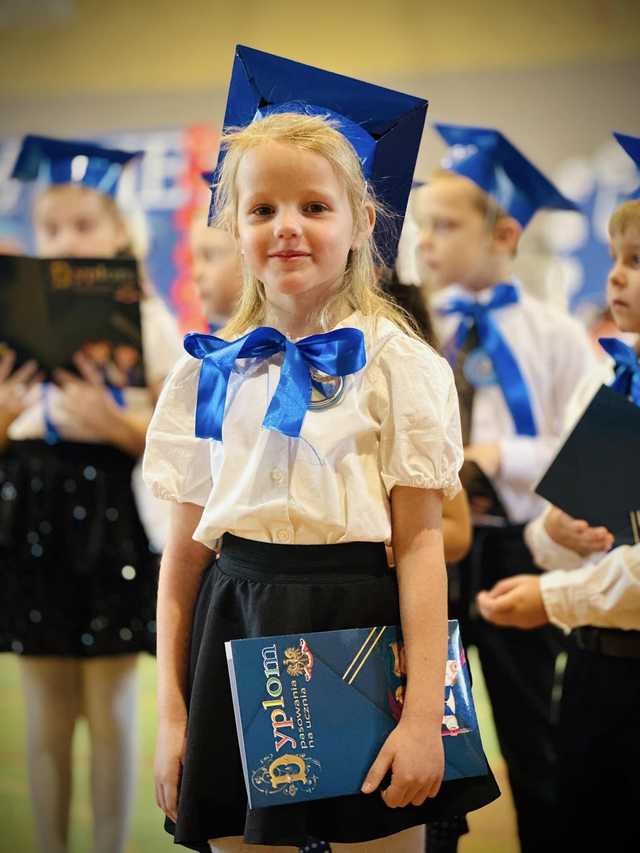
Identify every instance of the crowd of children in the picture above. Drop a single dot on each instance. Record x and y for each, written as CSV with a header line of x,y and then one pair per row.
x,y
326,467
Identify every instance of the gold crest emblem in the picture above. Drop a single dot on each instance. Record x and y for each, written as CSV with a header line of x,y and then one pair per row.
x,y
296,661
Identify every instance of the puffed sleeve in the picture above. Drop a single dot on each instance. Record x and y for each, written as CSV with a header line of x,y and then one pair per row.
x,y
176,465
420,438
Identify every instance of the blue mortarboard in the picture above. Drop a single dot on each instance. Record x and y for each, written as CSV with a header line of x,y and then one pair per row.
x,y
488,159
69,161
631,145
384,126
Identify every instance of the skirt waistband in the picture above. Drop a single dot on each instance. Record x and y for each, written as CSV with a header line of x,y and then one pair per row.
x,y
262,559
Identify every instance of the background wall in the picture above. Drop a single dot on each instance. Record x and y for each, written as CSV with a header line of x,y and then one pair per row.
x,y
558,78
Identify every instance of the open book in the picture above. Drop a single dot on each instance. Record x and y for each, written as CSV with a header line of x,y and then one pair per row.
x,y
52,308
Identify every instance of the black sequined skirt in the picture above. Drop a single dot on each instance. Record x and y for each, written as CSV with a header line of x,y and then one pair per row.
x,y
260,589
77,575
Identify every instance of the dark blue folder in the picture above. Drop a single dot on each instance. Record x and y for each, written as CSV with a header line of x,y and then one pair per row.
x,y
596,473
312,711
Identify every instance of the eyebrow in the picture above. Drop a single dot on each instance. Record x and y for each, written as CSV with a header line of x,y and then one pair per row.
x,y
309,194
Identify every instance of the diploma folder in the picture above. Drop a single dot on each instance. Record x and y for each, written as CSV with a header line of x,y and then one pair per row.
x,y
51,308
596,474
313,710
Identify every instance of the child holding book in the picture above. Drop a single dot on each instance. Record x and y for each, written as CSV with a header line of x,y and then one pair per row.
x,y
516,361
304,492
78,577
595,593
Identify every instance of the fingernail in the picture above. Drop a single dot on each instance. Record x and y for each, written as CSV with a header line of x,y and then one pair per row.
x,y
367,788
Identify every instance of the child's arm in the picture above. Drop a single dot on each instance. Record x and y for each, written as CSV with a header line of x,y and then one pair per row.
x,y
456,527
606,595
183,563
414,750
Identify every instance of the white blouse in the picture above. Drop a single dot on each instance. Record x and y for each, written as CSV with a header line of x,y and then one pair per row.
x,y
397,424
161,348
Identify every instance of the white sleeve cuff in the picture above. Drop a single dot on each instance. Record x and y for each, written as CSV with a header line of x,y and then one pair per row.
x,y
547,553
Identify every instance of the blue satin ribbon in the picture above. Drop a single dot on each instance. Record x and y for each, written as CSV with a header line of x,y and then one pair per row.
x,y
627,371
510,378
337,353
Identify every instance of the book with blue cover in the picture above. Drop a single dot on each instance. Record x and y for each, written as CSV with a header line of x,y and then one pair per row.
x,y
595,475
313,710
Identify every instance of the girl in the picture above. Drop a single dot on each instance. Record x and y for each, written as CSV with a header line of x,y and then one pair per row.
x,y
305,505
79,580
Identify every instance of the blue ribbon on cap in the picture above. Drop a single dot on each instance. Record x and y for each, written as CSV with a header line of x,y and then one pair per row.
x,y
337,353
510,378
627,370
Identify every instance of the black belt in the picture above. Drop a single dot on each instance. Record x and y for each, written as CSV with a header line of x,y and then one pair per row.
x,y
613,642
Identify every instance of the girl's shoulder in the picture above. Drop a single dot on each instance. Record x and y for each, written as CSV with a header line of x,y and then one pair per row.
x,y
396,353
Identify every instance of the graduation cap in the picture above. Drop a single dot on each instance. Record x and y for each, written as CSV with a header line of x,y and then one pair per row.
x,y
384,126
70,161
631,144
487,158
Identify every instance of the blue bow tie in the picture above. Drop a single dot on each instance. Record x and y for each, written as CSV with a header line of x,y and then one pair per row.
x,y
337,353
627,376
504,364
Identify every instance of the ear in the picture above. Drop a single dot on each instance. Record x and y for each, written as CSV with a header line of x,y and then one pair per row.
x,y
506,235
362,234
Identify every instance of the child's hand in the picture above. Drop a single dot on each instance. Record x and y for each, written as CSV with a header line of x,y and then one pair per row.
x,y
486,456
515,602
170,749
575,534
414,753
86,398
14,387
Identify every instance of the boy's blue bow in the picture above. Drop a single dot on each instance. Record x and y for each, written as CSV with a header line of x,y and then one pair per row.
x,y
337,353
508,373
627,378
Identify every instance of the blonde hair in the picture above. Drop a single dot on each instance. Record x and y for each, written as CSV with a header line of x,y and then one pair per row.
x,y
625,216
360,286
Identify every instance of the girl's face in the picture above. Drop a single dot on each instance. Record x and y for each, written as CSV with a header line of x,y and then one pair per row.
x,y
295,224
623,284
73,221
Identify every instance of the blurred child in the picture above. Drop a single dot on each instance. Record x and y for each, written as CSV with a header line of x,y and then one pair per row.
x,y
216,270
516,362
79,579
596,595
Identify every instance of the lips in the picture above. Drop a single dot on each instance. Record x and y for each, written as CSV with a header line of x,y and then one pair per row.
x,y
618,303
289,256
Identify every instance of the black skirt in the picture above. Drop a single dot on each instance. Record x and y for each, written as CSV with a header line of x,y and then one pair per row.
x,y
77,575
258,589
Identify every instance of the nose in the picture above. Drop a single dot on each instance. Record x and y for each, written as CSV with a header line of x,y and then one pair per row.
x,y
425,237
287,225
68,243
617,275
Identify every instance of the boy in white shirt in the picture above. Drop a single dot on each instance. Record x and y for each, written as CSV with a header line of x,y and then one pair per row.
x,y
598,595
516,361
